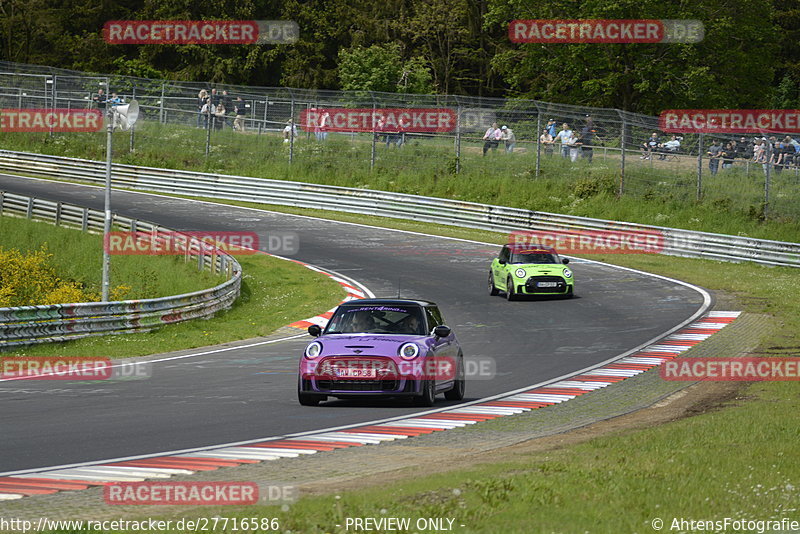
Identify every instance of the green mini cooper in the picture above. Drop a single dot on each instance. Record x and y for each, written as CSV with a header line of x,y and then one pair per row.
x,y
530,270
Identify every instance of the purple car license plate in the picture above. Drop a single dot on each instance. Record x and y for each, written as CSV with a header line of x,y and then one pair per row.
x,y
355,373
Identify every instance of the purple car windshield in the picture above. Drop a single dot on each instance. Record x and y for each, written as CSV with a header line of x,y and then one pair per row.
x,y
393,319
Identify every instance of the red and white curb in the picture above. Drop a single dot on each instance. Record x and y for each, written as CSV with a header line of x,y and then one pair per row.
x,y
78,477
349,286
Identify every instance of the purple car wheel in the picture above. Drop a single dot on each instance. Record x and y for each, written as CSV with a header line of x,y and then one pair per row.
x,y
428,396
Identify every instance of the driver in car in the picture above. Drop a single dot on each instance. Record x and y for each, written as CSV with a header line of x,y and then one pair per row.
x,y
362,322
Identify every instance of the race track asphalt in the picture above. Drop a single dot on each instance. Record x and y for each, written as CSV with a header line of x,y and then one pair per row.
x,y
250,393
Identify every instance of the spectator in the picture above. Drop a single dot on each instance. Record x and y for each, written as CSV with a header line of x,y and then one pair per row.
x,y
240,110
215,98
670,147
759,151
380,128
714,152
289,131
562,137
202,109
100,99
744,150
551,128
574,146
323,125
547,141
226,100
508,137
649,146
491,138
728,153
586,139
114,100
219,116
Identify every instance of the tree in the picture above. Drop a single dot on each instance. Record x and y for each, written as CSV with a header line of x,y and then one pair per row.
x,y
733,67
381,68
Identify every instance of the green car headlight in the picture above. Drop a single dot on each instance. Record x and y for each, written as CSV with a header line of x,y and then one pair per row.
x,y
520,273
567,273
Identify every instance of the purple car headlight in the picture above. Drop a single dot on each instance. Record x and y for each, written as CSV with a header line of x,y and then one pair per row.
x,y
313,350
409,351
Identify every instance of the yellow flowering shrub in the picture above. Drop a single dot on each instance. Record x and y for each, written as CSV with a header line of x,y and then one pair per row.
x,y
28,279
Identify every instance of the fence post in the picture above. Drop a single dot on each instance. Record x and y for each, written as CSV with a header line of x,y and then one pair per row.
x,y
622,159
291,132
133,126
458,139
2,200
700,166
538,144
210,123
767,177
161,117
58,214
372,153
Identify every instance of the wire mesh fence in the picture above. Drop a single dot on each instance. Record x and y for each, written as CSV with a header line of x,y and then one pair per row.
x,y
327,131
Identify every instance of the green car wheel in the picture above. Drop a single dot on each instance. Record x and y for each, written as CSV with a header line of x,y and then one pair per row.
x,y
493,291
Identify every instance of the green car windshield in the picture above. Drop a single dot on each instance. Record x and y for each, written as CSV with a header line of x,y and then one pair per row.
x,y
532,257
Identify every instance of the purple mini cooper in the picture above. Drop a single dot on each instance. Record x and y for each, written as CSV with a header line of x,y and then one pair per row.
x,y
382,347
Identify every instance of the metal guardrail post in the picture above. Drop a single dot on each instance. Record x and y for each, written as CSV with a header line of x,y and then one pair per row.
x,y
29,210
58,214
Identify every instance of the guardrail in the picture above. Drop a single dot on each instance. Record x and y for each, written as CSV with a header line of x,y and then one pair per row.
x,y
677,242
25,325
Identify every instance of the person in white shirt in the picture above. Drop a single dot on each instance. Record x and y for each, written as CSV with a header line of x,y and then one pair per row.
x,y
547,141
492,138
289,131
507,135
573,146
670,147
562,137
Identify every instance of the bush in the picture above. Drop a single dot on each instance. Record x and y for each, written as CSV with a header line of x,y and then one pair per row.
x,y
589,187
27,279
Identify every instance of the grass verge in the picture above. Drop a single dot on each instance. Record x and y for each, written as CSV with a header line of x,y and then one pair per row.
x,y
274,293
